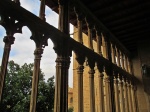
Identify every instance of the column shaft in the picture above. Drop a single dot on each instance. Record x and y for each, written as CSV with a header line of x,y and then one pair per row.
x,y
105,47
129,98
133,98
63,24
80,39
92,91
99,51
126,64
118,57
122,109
108,94
122,60
8,41
35,79
101,92
61,87
113,54
90,40
42,10
126,97
117,104
80,88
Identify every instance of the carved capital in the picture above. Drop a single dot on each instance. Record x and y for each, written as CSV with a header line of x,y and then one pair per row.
x,y
38,53
80,69
115,80
107,79
40,39
91,72
9,40
101,75
63,62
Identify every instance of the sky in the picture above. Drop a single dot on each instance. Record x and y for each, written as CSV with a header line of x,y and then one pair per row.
x,y
23,48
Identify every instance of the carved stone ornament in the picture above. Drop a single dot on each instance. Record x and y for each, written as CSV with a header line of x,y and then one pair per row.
x,y
11,25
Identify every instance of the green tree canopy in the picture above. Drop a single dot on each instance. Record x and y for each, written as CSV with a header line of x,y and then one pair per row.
x,y
17,90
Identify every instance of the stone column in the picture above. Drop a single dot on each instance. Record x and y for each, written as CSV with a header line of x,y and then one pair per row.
x,y
118,57
63,24
42,10
61,84
126,64
101,88
129,65
117,103
99,39
113,54
90,35
105,47
122,109
63,51
8,40
80,59
91,83
108,93
79,23
38,54
129,96
122,61
133,97
126,95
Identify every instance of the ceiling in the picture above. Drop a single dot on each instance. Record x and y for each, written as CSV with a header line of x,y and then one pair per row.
x,y
128,20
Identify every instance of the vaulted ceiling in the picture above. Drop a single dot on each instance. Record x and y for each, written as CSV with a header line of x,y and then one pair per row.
x,y
128,20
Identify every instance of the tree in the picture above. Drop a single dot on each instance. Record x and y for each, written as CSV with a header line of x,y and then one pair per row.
x,y
70,109
17,90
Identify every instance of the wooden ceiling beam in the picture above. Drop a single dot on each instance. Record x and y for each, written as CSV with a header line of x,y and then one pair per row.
x,y
133,17
132,29
113,7
135,34
140,36
129,24
126,11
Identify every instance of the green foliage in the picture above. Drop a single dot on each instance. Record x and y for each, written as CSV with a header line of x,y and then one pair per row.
x,y
17,90
70,109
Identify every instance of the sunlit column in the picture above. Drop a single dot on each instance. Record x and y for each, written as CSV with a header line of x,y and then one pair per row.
x,y
129,65
117,104
91,84
99,39
80,59
8,40
126,64
101,88
90,34
122,59
113,54
126,95
133,97
118,57
129,96
122,109
105,46
108,93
